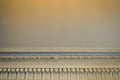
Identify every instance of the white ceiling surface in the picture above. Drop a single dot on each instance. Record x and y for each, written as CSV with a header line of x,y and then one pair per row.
x,y
59,24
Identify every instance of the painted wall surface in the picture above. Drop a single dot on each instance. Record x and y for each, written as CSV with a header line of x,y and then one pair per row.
x,y
59,23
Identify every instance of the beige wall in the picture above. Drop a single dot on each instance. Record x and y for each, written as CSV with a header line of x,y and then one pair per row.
x,y
60,23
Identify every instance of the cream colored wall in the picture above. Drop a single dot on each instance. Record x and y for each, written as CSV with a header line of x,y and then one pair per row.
x,y
59,24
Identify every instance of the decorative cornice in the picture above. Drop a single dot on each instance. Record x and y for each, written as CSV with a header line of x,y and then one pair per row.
x,y
59,67
59,50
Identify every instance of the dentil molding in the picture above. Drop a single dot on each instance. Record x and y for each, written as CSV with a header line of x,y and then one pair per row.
x,y
60,67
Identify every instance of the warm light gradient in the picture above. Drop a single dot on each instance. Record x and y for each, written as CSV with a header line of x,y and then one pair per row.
x,y
59,23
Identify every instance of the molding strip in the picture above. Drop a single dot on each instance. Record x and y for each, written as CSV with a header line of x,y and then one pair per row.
x,y
59,50
59,74
60,57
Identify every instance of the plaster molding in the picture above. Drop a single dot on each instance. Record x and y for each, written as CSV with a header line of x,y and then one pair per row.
x,y
60,61
59,67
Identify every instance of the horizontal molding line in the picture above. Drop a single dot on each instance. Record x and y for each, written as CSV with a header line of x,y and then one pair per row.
x,y
60,74
58,50
60,57
61,64
59,69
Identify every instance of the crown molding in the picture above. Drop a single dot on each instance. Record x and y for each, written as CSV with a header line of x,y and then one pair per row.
x,y
29,67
